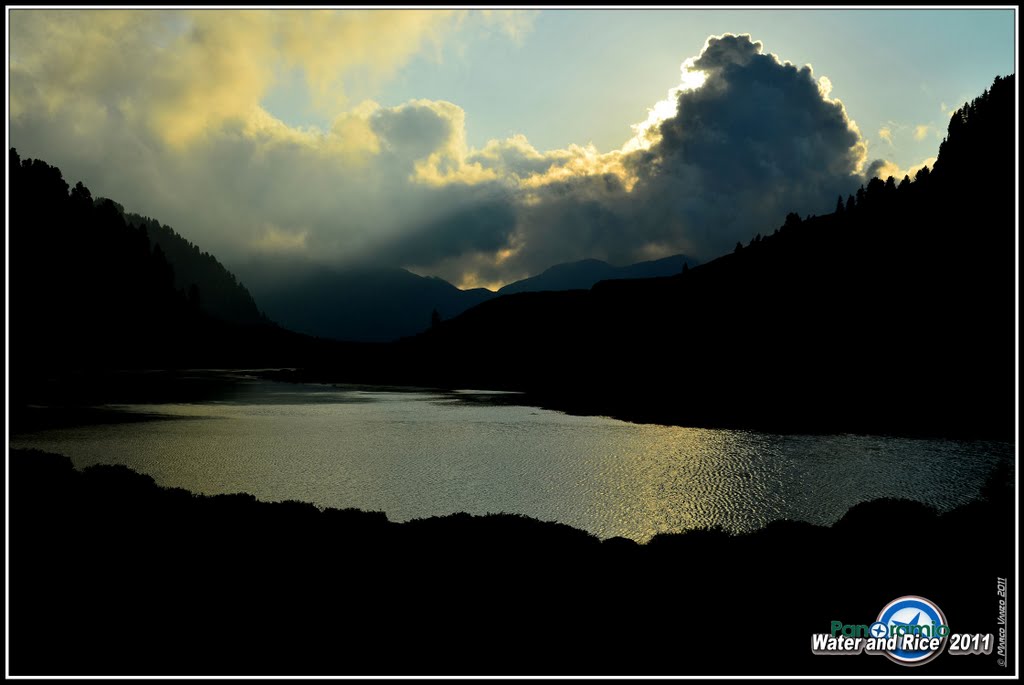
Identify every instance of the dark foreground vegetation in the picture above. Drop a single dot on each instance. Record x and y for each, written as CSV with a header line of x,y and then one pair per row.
x,y
111,574
894,314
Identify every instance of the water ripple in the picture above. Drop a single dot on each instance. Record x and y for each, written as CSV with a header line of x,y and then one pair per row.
x,y
418,454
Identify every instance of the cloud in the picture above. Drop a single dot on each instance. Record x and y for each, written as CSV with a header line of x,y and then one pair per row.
x,y
473,224
162,111
921,131
758,138
186,72
420,128
741,141
275,241
883,169
885,133
516,158
432,134
752,105
327,45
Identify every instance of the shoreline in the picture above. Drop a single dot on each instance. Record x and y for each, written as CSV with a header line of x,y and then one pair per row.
x,y
126,568
577,406
637,409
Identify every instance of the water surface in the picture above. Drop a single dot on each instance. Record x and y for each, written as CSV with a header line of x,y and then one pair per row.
x,y
417,453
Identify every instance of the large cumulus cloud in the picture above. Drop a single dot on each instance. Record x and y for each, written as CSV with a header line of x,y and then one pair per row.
x,y
759,138
756,121
743,140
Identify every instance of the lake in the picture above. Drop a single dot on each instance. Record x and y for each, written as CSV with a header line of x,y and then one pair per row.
x,y
414,453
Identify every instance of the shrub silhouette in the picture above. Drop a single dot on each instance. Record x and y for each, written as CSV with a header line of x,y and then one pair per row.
x,y
112,574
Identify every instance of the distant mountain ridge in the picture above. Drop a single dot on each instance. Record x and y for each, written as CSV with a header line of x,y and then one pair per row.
x,y
380,304
586,273
363,304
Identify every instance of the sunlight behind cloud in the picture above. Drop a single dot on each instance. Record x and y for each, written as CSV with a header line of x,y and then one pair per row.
x,y
645,133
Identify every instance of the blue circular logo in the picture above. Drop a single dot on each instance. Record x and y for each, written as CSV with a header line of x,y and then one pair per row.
x,y
879,630
915,616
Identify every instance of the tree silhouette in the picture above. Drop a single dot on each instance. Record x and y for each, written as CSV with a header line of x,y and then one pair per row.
x,y
81,195
875,189
94,288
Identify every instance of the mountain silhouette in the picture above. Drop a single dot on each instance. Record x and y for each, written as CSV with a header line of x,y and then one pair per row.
x,y
199,272
378,304
584,274
366,303
94,288
796,330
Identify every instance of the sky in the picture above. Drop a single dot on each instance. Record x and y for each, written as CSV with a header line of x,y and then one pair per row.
x,y
483,146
